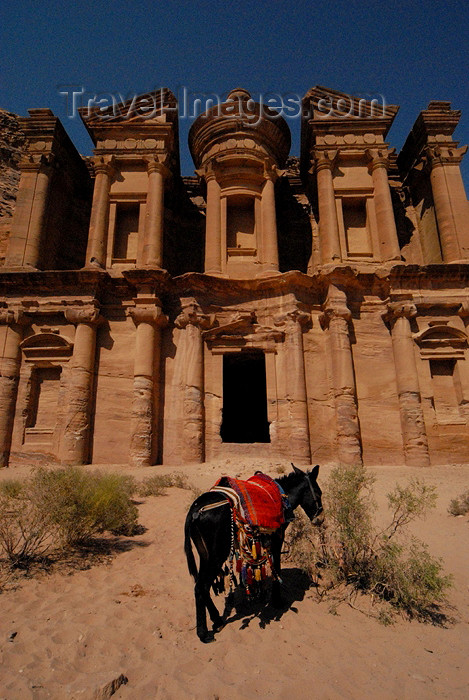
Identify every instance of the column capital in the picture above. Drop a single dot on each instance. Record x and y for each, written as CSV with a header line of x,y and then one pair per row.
x,y
157,164
333,311
83,314
104,164
400,309
38,162
438,155
191,315
324,160
293,317
271,172
8,317
378,157
209,171
148,314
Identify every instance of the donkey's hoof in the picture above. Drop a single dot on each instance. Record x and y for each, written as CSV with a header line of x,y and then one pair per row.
x,y
218,625
207,638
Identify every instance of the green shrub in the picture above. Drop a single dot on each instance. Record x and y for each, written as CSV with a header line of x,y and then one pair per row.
x,y
409,578
459,505
62,507
81,504
155,485
349,549
350,508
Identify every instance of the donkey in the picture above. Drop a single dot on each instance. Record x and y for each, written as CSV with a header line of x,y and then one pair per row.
x,y
211,531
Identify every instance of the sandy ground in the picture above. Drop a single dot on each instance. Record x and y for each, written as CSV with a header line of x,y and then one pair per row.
x,y
68,635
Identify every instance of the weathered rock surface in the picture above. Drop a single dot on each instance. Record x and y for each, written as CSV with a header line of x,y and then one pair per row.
x,y
11,146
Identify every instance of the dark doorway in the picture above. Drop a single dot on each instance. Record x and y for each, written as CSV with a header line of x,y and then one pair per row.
x,y
244,398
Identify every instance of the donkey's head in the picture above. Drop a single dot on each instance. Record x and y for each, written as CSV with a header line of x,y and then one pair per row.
x,y
309,494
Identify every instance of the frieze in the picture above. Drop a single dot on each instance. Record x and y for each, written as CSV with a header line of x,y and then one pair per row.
x,y
130,144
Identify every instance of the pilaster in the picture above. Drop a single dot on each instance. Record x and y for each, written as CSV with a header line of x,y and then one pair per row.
x,y
378,165
269,220
412,420
213,243
191,361
149,320
11,333
76,436
154,217
99,222
336,318
324,163
24,249
294,323
450,201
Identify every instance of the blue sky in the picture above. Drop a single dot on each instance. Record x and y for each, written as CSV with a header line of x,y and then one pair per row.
x,y
408,52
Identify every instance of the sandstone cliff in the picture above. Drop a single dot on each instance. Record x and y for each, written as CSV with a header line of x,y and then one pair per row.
x,y
11,144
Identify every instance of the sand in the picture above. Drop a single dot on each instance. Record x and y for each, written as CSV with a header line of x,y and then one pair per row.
x,y
67,635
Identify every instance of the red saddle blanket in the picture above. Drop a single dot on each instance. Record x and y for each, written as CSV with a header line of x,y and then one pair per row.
x,y
258,500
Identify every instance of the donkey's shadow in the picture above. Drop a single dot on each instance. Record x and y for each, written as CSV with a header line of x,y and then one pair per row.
x,y
239,606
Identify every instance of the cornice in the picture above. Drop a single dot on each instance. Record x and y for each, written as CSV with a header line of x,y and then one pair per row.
x,y
445,285
52,281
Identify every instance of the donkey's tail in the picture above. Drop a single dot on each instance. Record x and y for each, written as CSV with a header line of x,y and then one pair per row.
x,y
192,566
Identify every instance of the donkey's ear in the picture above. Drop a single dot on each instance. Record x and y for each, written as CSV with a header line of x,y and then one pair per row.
x,y
315,471
297,470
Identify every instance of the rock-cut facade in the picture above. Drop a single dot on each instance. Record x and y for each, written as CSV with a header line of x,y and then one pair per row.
x,y
313,309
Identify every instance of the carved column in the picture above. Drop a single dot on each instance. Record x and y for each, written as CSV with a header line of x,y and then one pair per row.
x,y
212,223
191,353
145,404
269,221
10,362
336,318
99,222
24,246
328,224
32,254
76,436
449,199
154,216
383,204
299,442
408,389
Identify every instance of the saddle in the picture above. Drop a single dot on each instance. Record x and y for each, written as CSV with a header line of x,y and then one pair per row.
x,y
259,501
258,508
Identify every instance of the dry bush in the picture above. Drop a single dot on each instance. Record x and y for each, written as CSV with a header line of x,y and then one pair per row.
x,y
62,508
25,531
155,485
459,505
349,551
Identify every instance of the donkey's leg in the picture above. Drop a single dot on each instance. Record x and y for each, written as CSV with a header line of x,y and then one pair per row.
x,y
204,602
200,612
212,539
277,599
210,574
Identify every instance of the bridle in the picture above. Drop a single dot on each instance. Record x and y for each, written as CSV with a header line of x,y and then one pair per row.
x,y
315,498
